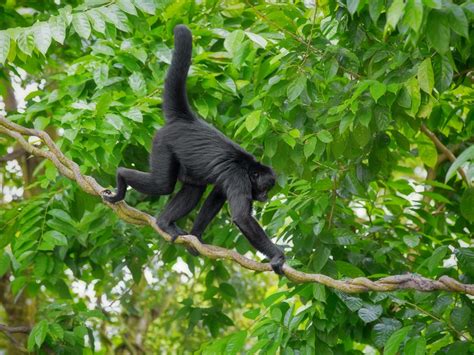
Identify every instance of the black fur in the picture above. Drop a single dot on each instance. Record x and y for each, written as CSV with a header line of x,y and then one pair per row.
x,y
192,151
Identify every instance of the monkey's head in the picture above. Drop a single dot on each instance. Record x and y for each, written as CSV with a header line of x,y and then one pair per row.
x,y
263,179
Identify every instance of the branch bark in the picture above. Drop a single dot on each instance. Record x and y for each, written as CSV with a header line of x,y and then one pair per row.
x,y
17,153
442,148
8,331
361,284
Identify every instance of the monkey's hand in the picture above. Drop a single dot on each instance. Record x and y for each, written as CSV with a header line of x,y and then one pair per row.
x,y
277,263
109,196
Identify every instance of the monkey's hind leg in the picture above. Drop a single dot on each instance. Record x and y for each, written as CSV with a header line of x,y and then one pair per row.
x,y
184,202
160,181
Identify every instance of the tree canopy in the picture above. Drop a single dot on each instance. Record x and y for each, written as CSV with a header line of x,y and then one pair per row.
x,y
365,109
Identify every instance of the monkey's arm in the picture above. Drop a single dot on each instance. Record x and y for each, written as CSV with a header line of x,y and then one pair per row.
x,y
241,209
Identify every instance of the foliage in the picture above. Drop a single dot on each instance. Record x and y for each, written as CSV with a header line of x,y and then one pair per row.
x,y
333,97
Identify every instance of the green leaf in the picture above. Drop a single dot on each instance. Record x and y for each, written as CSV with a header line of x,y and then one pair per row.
x,y
370,313
352,6
295,133
38,334
114,15
467,204
434,4
413,89
252,314
58,28
361,135
465,258
416,346
228,289
42,36
234,41
464,157
375,9
443,73
4,46
411,240
458,20
101,74
289,140
147,6
4,263
426,76
114,120
354,303
364,117
41,265
273,298
460,317
437,31
383,330
414,14
54,238
395,340
62,216
324,136
41,122
436,257
394,13
26,41
97,20
134,114
236,342
252,120
296,87
81,25
56,331
103,104
309,146
377,90
259,40
137,83
127,6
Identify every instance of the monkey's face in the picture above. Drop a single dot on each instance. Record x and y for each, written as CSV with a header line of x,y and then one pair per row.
x,y
263,179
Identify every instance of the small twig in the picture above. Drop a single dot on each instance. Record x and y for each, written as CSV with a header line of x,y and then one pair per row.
x,y
333,202
12,330
462,72
429,314
361,284
9,331
444,150
306,54
13,155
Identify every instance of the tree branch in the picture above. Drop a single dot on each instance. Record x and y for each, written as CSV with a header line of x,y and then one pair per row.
x,y
12,156
444,150
361,284
9,331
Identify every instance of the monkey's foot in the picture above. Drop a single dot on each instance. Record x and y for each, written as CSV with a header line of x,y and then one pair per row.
x,y
277,263
109,196
193,251
171,229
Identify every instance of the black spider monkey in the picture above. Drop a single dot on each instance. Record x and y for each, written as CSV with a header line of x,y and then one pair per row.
x,y
190,150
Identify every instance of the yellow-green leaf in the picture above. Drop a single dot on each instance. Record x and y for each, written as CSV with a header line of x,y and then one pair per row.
x,y
426,76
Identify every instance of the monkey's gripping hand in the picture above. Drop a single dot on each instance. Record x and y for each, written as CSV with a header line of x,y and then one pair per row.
x,y
109,196
277,261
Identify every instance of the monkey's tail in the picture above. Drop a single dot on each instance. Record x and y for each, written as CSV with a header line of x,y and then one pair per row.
x,y
175,100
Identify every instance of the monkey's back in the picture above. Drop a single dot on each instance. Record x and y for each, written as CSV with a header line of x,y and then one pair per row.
x,y
203,152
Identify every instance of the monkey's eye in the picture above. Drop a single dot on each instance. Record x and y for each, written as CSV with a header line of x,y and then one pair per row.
x,y
255,175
